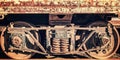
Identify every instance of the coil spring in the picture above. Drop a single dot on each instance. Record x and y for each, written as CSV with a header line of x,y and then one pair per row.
x,y
60,45
56,45
64,45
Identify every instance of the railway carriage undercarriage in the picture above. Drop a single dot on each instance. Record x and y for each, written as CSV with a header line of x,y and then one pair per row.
x,y
64,33
21,40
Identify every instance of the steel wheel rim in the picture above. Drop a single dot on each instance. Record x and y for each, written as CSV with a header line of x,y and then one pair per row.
x,y
113,42
13,55
16,56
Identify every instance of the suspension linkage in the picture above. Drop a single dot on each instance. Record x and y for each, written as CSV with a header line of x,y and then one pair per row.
x,y
36,41
102,47
27,50
91,34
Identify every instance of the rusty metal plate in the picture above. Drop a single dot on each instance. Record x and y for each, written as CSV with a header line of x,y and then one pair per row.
x,y
115,22
59,6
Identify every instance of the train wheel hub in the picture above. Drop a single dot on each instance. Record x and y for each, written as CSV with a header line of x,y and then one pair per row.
x,y
16,41
105,40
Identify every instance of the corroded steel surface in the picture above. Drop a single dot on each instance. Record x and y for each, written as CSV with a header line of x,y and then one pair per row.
x,y
59,6
115,22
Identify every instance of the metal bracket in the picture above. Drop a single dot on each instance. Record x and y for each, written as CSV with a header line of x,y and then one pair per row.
x,y
60,19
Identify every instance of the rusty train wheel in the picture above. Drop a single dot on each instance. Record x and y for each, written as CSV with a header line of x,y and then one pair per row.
x,y
5,44
109,50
